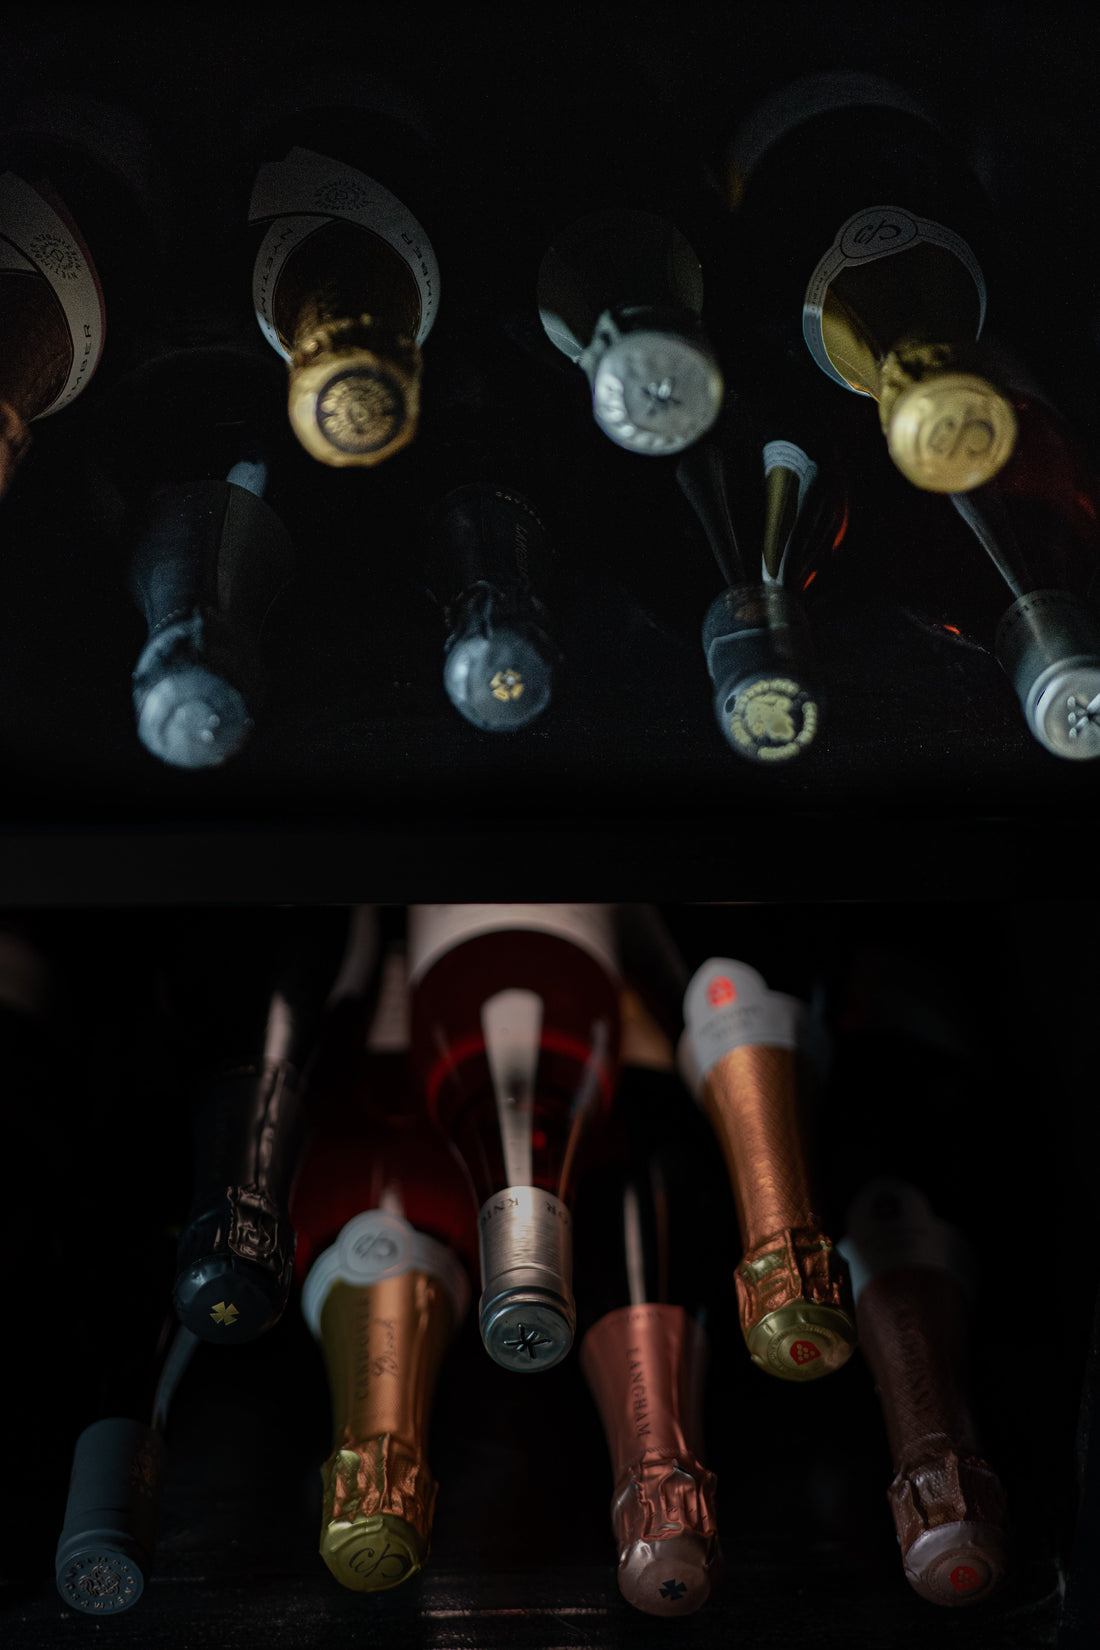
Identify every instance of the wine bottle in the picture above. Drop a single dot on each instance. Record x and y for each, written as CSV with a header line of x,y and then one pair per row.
x,y
772,536
744,1053
490,557
1037,522
345,279
858,213
185,466
641,1303
912,1276
107,1543
620,292
386,1225
246,997
515,1037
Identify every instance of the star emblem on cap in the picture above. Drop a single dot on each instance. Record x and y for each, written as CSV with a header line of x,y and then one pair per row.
x,y
673,1589
527,1339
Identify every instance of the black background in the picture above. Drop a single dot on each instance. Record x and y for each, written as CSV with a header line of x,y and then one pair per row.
x,y
926,803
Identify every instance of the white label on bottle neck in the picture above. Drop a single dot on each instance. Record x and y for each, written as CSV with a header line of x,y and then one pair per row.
x,y
34,237
877,232
304,192
784,455
726,1005
437,929
891,1224
375,1246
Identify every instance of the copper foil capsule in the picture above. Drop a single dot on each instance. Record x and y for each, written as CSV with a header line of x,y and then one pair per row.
x,y
741,1053
645,1366
947,1503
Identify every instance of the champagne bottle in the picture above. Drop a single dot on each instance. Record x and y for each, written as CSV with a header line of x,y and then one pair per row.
x,y
772,535
386,1224
515,1037
858,212
744,1054
246,998
345,279
641,1302
912,1276
185,459
620,292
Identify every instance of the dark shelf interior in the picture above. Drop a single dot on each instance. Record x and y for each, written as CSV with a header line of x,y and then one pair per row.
x,y
522,1550
358,745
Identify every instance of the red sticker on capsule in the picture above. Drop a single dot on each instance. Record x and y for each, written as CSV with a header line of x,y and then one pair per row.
x,y
804,1352
720,991
963,1578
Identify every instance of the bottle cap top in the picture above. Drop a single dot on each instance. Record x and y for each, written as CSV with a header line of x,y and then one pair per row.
x,y
193,719
101,1572
354,406
672,1577
500,681
525,1330
952,432
802,1341
957,1563
372,1554
228,1300
653,392
1063,712
768,718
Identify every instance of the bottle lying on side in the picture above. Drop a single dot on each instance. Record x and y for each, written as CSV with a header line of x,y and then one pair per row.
x,y
912,1277
246,998
345,279
386,1227
854,218
515,1042
773,503
641,1304
744,1055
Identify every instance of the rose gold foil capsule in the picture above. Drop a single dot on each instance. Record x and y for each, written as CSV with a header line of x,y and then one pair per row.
x,y
947,1503
742,1054
645,1366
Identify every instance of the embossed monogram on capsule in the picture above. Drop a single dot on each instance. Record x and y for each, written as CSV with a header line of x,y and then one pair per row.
x,y
527,1339
100,1582
378,1247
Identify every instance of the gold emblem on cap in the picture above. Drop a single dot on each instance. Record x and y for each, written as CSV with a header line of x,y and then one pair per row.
x,y
506,684
951,433
225,1314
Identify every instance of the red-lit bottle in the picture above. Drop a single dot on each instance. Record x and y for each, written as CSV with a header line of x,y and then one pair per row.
x,y
515,1039
383,1212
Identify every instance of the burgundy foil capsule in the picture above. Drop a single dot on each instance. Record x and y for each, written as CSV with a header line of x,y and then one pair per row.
x,y
910,1276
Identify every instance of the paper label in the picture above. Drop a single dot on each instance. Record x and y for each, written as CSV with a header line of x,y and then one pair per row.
x,y
436,929
727,1004
304,192
877,232
34,237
